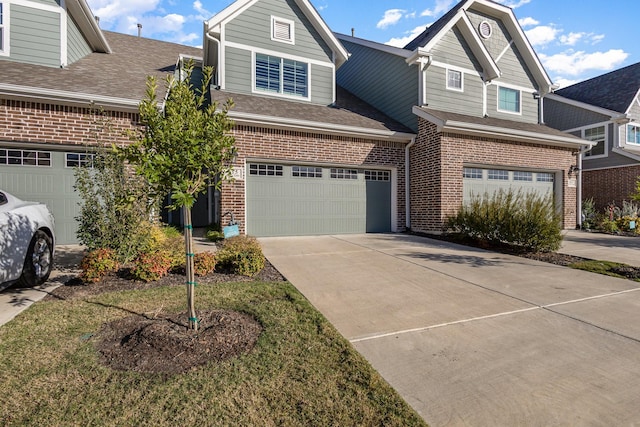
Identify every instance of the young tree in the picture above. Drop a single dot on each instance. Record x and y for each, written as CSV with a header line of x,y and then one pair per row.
x,y
182,149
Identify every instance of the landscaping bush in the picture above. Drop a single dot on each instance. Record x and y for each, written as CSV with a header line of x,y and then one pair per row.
x,y
97,263
214,233
151,266
204,263
589,214
241,255
161,237
526,221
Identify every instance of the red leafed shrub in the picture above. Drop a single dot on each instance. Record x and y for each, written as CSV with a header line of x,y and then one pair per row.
x,y
152,266
98,263
204,263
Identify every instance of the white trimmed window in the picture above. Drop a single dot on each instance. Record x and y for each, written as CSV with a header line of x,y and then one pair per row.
x,y
472,173
282,30
597,135
76,160
633,134
4,40
498,175
455,80
13,157
282,76
509,100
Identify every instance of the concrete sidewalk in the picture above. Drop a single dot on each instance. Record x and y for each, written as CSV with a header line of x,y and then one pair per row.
x,y
603,247
470,337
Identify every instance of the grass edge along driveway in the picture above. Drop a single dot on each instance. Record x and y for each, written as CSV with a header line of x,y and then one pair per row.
x,y
301,372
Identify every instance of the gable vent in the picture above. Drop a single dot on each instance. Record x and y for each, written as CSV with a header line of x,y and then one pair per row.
x,y
485,29
282,31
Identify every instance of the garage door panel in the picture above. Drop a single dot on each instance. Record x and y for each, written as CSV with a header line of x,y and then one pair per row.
x,y
306,205
478,182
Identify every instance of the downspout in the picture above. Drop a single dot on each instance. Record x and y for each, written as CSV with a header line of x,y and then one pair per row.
x,y
583,149
217,68
407,183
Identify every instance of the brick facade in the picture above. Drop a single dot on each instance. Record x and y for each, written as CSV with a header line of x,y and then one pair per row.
x,y
611,185
35,122
437,160
292,146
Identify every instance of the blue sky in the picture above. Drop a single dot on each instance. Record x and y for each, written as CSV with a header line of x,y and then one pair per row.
x,y
575,39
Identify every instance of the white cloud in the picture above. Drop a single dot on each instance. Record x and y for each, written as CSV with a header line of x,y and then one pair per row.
x,y
203,14
440,7
391,17
572,38
576,63
564,82
597,38
410,35
542,35
528,22
115,10
516,4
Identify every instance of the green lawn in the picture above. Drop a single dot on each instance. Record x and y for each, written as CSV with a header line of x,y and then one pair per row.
x,y
301,373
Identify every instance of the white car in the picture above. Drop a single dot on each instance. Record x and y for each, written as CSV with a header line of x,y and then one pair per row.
x,y
26,241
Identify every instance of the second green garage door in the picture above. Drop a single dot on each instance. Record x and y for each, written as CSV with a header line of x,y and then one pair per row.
x,y
298,200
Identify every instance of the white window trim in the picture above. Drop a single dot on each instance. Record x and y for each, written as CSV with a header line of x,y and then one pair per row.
x,y
292,27
455,89
515,113
5,48
626,134
606,139
257,91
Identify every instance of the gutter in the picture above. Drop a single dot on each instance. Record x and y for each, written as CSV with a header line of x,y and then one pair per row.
x,y
68,98
407,183
310,126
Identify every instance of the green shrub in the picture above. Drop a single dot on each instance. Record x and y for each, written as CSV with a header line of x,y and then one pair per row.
x,y
98,263
161,237
527,221
589,214
151,266
204,263
241,255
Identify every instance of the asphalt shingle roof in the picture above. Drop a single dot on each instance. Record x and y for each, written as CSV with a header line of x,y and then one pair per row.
x,y
614,91
543,130
120,74
348,110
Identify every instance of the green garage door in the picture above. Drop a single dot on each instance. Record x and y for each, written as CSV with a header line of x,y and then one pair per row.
x,y
290,200
47,177
479,181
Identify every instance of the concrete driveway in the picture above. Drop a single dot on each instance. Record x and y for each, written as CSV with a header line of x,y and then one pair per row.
x,y
475,338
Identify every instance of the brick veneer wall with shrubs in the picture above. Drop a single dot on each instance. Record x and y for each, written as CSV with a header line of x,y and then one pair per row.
x,y
292,146
35,122
607,186
437,161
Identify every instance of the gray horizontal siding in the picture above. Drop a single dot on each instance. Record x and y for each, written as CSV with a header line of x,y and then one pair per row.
x,y
322,85
439,98
452,49
563,116
383,80
35,36
238,70
77,46
253,28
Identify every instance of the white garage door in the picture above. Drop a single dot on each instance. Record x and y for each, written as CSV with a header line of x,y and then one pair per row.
x,y
46,177
480,181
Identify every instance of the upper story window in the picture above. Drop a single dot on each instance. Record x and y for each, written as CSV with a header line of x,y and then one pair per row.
x,y
455,80
282,76
633,134
597,135
3,30
509,100
282,30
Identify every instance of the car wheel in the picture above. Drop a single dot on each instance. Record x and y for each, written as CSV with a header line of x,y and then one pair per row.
x,y
39,260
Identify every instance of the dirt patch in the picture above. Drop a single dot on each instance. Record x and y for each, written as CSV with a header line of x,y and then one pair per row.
x,y
166,345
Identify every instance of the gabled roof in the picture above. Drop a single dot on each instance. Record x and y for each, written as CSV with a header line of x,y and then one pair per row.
x,y
457,17
614,91
490,127
213,25
116,80
349,115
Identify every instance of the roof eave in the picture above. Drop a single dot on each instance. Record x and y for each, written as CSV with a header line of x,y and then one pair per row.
x,y
476,129
320,127
89,27
60,97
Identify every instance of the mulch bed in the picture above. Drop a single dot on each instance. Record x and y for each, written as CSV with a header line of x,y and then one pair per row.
x,y
164,344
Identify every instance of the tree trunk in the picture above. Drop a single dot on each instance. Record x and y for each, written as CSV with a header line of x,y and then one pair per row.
x,y
191,281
